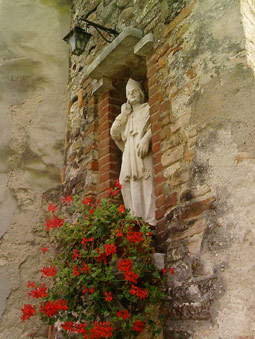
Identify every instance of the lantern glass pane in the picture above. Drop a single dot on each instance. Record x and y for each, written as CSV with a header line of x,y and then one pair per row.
x,y
79,42
72,42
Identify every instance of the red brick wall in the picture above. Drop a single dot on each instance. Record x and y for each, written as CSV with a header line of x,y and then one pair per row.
x,y
109,156
160,108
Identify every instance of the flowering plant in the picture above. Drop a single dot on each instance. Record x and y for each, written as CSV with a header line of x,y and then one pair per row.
x,y
102,282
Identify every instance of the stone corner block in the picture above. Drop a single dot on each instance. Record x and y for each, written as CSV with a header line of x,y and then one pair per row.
x,y
102,85
145,46
159,260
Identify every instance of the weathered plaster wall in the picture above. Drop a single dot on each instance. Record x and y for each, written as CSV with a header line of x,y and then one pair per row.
x,y
33,78
212,91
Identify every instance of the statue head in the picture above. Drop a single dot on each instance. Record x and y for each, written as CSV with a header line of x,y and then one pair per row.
x,y
134,92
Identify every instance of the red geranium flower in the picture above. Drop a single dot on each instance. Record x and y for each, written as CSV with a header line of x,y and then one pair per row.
x,y
123,314
76,254
68,325
50,271
76,271
121,209
52,207
171,270
139,292
74,327
87,201
85,268
108,296
28,311
85,290
125,265
110,249
31,284
39,292
101,330
119,233
86,240
101,256
117,184
80,328
55,222
50,308
91,211
138,326
44,249
135,237
88,290
113,191
131,276
68,199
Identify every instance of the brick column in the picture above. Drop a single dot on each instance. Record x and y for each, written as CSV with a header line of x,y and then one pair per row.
x,y
160,125
109,157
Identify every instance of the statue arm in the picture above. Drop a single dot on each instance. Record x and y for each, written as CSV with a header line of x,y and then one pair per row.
x,y
145,141
144,145
119,125
147,136
117,129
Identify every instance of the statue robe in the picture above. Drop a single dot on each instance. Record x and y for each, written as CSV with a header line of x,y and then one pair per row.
x,y
136,174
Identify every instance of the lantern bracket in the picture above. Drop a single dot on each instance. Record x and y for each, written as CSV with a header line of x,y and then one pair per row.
x,y
100,28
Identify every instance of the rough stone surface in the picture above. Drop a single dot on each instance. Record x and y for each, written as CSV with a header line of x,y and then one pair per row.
x,y
210,81
123,3
171,8
5,290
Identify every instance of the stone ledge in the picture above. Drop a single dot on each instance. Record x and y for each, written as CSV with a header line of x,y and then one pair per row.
x,y
116,56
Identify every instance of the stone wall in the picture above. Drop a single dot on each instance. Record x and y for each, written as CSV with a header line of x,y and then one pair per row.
x,y
33,78
211,90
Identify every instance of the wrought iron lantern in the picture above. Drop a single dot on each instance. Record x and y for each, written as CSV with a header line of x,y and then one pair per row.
x,y
79,37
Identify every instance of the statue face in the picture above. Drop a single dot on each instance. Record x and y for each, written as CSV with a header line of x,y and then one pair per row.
x,y
134,95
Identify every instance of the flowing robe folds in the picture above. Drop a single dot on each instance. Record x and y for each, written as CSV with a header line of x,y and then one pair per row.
x,y
136,174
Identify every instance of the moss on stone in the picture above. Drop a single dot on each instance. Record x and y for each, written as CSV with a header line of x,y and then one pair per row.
x,y
61,5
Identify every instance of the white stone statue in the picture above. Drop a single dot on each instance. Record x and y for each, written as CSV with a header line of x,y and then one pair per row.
x,y
131,132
